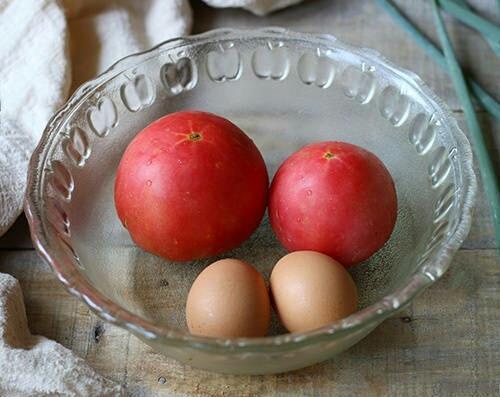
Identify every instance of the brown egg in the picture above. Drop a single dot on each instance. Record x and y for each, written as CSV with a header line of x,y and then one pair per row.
x,y
228,299
311,290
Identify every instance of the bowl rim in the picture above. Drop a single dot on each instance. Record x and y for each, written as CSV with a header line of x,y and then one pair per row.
x,y
367,318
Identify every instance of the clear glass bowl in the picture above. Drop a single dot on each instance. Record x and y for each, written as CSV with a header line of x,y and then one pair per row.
x,y
285,90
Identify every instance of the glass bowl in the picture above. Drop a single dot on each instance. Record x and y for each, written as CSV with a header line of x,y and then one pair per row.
x,y
285,90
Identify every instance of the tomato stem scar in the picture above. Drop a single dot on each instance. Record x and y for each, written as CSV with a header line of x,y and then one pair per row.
x,y
194,136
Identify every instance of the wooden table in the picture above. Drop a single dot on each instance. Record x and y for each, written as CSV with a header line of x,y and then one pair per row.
x,y
447,343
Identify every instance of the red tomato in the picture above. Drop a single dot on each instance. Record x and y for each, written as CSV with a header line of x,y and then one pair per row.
x,y
191,185
335,198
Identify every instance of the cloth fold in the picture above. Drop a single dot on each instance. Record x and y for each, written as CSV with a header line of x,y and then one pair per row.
x,y
36,366
258,7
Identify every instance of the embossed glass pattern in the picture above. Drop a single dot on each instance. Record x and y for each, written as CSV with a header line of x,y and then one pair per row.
x,y
284,89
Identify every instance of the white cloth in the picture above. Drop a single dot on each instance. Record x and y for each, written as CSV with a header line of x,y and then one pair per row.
x,y
35,80
48,47
45,49
258,7
36,366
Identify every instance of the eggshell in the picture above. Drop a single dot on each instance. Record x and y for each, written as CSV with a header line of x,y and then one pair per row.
x,y
311,290
228,299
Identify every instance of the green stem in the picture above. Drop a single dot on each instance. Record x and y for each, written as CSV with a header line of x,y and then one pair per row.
x,y
495,45
464,14
488,102
485,164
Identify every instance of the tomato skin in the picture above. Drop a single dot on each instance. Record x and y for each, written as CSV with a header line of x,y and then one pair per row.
x,y
191,185
335,198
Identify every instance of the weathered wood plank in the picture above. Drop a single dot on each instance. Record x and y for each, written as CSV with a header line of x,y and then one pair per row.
x,y
482,234
18,236
445,343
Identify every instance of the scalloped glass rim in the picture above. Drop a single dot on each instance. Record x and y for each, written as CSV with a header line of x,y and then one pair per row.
x,y
429,271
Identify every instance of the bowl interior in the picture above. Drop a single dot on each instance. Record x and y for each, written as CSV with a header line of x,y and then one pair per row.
x,y
284,92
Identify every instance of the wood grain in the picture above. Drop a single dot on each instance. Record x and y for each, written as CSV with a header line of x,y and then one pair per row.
x,y
445,344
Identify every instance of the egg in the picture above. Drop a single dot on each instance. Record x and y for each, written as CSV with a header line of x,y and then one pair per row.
x,y
228,299
310,290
